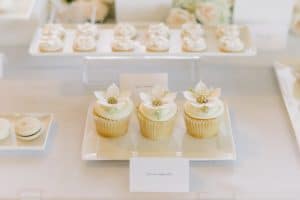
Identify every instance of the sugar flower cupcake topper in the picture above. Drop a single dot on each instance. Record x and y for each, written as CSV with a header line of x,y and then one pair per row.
x,y
202,96
159,97
112,97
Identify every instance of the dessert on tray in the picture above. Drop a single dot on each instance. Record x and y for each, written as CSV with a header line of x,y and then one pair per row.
x,y
158,30
202,111
84,43
125,30
190,44
5,127
123,44
228,30
87,29
112,112
157,44
50,43
231,44
54,30
192,30
157,113
28,128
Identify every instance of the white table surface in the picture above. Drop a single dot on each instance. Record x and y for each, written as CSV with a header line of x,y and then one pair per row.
x,y
268,159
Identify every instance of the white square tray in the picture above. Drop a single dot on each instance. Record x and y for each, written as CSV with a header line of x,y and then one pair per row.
x,y
106,37
12,143
290,91
95,147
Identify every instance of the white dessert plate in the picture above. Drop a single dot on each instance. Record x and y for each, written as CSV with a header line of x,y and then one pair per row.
x,y
13,143
106,37
18,9
95,147
290,90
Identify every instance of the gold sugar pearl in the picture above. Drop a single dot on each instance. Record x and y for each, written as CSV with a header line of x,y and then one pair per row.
x,y
112,100
156,102
202,99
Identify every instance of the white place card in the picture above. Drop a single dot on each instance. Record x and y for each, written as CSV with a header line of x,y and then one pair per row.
x,y
137,83
159,174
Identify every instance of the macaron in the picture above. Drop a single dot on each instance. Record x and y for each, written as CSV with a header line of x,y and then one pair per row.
x,y
4,128
28,128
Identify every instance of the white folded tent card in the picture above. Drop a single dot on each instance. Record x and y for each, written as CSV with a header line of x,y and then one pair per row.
x,y
269,20
17,25
142,10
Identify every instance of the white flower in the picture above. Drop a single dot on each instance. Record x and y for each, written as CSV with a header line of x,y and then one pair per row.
x,y
112,97
202,96
159,98
179,16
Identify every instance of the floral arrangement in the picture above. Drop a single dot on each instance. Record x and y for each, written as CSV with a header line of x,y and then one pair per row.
x,y
69,11
207,12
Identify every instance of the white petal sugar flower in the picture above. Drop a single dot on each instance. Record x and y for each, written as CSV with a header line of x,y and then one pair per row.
x,y
202,96
159,97
112,97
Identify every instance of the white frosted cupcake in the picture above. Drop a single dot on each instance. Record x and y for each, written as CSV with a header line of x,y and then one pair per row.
x,y
158,30
112,112
122,44
231,30
51,43
193,45
88,30
125,30
158,44
202,111
83,43
192,30
157,113
54,30
5,127
231,44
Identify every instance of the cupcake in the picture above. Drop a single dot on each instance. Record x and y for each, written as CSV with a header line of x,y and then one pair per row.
x,y
125,30
228,30
193,45
231,44
157,44
54,30
112,112
51,43
192,30
87,29
157,114
202,111
160,30
122,44
84,43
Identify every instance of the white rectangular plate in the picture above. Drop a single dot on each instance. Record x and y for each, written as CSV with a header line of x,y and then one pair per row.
x,y
106,37
290,90
12,143
95,147
21,10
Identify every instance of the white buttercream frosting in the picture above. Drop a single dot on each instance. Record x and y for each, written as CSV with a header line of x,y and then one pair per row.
x,y
54,30
123,44
87,29
50,43
192,30
84,43
159,105
160,30
158,43
203,102
231,44
228,30
193,45
113,104
125,30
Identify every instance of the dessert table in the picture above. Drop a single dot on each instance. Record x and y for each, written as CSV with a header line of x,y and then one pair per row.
x,y
268,158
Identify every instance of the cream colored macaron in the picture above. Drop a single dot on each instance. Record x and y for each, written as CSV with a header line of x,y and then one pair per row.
x,y
4,128
28,128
